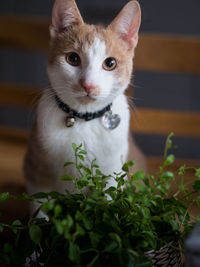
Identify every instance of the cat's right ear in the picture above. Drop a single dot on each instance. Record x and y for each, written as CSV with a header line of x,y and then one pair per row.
x,y
127,23
65,13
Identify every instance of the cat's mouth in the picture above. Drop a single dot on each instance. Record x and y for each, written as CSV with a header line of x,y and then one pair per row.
x,y
86,100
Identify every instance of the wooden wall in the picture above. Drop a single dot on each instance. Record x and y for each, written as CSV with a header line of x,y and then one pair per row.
x,y
166,74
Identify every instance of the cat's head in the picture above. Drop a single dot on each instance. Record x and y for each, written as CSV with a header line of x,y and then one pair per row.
x,y
88,66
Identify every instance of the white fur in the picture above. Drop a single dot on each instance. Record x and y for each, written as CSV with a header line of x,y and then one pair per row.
x,y
109,147
63,77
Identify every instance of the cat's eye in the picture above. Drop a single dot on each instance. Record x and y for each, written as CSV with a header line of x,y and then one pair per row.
x,y
110,63
73,59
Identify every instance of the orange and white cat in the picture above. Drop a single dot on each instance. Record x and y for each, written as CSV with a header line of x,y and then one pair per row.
x,y
89,69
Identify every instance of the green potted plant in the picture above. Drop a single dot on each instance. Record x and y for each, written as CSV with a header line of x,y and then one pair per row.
x,y
136,224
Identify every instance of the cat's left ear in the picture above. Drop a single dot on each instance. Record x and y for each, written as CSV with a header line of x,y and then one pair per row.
x,y
65,13
127,23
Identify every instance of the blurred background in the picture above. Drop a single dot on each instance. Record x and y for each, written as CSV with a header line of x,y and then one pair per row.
x,y
166,76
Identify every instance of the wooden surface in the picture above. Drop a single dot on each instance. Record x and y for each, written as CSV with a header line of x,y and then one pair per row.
x,y
24,33
156,121
18,95
168,53
155,52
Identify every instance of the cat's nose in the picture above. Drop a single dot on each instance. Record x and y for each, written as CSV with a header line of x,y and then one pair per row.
x,y
88,86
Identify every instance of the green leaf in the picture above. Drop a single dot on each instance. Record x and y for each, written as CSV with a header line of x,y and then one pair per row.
x,y
1,228
70,221
197,199
79,229
74,252
67,234
169,160
16,223
125,259
83,152
59,227
40,195
111,191
47,206
35,233
181,170
143,261
87,223
90,184
112,246
98,172
14,226
168,175
67,177
57,210
54,194
96,166
127,165
197,172
26,249
68,163
4,197
81,157
18,257
94,239
78,216
196,185
139,175
87,171
116,238
74,146
81,183
174,225
7,248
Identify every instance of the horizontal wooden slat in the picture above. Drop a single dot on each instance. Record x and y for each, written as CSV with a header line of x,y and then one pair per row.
x,y
24,33
18,95
155,52
153,121
10,135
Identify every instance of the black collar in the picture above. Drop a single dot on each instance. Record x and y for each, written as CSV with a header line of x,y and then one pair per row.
x,y
85,116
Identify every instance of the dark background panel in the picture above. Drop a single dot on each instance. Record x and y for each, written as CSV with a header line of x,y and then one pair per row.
x,y
16,117
167,91
169,16
153,145
23,67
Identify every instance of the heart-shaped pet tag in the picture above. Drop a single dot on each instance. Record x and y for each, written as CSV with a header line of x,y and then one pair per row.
x,y
110,121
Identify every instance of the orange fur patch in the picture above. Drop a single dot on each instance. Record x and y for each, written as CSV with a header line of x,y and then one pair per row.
x,y
80,37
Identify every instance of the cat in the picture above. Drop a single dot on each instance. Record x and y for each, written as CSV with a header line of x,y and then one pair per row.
x,y
89,69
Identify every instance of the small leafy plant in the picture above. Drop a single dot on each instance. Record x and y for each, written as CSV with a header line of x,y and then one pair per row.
x,y
108,227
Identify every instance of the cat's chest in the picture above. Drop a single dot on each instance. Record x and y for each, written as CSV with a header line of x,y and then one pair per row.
x,y
103,144
95,138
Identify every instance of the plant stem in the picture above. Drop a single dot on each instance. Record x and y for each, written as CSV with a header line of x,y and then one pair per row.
x,y
23,227
93,261
17,238
181,190
89,250
167,144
